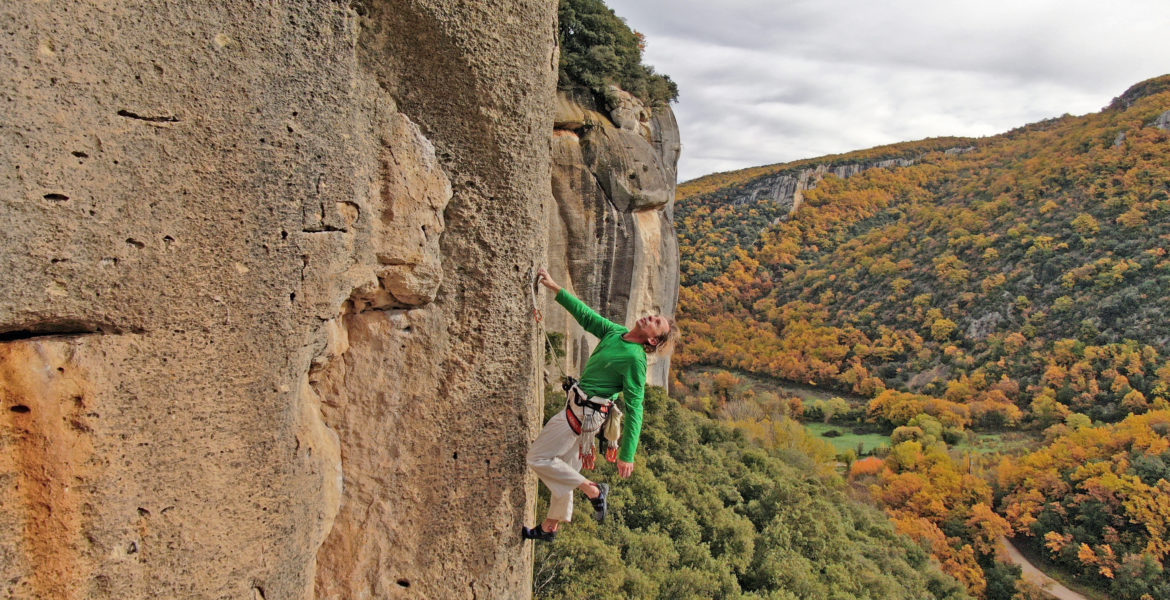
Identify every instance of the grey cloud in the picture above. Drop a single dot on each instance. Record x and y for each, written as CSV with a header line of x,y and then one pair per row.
x,y
766,82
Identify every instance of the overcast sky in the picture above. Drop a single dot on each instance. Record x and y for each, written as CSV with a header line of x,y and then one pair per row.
x,y
764,81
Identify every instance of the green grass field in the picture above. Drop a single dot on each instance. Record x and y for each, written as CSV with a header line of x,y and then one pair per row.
x,y
1010,442
848,440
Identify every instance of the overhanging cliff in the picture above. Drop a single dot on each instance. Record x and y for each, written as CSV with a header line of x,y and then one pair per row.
x,y
612,239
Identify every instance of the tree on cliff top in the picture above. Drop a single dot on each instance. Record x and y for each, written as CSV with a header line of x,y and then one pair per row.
x,y
599,49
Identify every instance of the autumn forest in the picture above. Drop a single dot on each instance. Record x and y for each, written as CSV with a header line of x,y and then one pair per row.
x,y
1013,285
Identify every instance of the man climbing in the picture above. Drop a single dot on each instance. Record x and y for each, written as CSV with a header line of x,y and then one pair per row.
x,y
617,364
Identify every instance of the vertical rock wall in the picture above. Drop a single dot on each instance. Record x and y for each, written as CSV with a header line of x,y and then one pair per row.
x,y
434,401
263,330
612,239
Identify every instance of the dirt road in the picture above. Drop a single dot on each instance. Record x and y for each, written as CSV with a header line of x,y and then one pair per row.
x,y
1036,576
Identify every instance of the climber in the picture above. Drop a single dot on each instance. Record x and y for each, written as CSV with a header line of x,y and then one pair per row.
x,y
565,445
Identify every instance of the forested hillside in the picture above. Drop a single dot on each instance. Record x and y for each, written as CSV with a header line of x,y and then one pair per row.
x,y
1013,282
719,214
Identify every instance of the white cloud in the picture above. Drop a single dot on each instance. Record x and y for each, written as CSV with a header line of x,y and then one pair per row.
x,y
763,82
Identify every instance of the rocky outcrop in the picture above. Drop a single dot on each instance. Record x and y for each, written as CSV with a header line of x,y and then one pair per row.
x,y
611,231
1137,91
1162,121
262,329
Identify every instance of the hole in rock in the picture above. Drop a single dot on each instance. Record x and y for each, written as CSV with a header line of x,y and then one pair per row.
x,y
79,154
404,583
56,197
19,408
57,327
152,119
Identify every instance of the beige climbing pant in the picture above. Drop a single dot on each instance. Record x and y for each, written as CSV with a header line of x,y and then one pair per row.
x,y
555,456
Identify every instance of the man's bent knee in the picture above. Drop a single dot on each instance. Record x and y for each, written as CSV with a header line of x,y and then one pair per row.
x,y
536,460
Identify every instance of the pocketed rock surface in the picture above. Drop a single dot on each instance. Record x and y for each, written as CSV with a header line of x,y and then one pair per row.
x,y
264,325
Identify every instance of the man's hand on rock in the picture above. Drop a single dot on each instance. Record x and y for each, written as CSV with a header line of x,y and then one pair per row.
x,y
547,281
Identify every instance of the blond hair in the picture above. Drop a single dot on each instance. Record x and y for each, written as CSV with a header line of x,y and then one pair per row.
x,y
666,340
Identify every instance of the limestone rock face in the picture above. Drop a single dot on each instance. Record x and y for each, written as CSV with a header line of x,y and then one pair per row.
x,y
625,110
264,322
611,231
414,192
1163,121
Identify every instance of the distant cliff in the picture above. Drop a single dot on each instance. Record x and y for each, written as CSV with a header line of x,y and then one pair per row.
x,y
263,325
611,232
786,189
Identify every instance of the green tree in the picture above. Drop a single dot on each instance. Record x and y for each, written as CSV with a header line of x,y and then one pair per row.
x,y
599,49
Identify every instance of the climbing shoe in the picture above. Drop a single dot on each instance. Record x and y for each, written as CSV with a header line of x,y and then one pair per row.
x,y
600,506
537,533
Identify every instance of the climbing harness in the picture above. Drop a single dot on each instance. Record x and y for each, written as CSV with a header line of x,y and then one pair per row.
x,y
585,414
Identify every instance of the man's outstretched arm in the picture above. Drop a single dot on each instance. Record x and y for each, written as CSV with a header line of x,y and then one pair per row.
x,y
592,322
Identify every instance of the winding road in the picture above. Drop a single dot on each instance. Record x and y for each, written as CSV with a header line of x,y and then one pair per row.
x,y
1036,576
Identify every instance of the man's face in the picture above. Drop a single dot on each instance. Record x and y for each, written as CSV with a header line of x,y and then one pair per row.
x,y
654,326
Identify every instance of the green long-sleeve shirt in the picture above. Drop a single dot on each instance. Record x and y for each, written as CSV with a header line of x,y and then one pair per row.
x,y
615,366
